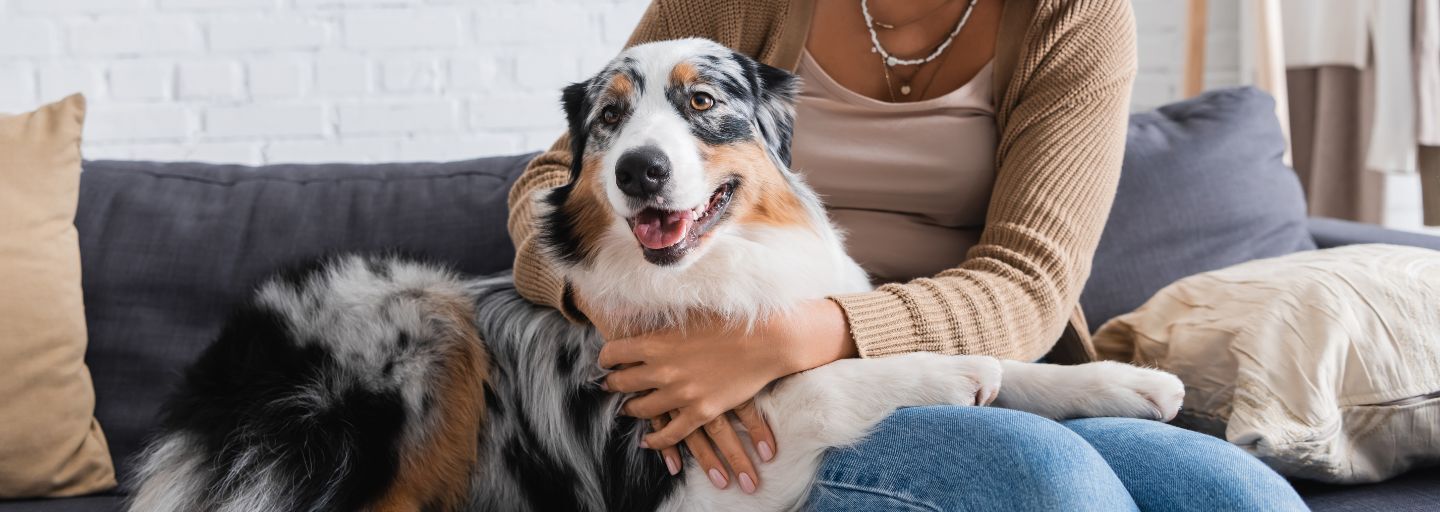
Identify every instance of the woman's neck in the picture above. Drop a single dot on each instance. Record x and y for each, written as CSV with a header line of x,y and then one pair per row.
x,y
840,42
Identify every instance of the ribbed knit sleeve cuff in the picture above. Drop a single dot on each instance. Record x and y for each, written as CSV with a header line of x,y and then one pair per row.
x,y
882,324
535,281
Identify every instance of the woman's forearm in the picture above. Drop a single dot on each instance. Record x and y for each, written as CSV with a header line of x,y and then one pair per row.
x,y
816,335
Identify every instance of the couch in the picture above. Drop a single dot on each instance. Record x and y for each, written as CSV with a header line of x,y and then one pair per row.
x,y
169,248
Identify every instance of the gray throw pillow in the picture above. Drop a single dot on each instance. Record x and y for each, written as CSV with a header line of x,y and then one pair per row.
x,y
1204,186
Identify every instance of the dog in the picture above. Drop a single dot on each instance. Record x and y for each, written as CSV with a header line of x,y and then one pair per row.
x,y
365,382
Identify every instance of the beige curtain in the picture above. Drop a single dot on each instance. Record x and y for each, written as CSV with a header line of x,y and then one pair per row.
x,y
1427,101
1330,112
1429,161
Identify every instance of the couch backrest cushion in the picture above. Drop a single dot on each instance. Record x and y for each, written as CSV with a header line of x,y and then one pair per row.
x,y
169,248
1204,186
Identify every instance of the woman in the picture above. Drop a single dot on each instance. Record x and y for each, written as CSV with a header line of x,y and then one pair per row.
x,y
971,150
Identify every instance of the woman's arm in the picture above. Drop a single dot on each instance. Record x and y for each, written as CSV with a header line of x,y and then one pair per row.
x,y
535,276
1063,124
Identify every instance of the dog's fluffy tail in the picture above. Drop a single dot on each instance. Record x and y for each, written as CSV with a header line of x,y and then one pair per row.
x,y
353,383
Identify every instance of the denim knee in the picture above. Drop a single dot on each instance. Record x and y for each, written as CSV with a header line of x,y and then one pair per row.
x,y
968,458
1169,468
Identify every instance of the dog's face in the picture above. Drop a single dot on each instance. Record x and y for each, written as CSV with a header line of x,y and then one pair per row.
x,y
674,143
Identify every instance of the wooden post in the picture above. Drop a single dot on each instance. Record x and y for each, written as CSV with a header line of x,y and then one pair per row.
x,y
1195,24
1270,61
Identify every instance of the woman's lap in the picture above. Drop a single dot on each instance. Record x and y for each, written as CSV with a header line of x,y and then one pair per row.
x,y
979,458
1170,468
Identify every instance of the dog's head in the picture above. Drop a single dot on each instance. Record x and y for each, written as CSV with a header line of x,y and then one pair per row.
x,y
674,143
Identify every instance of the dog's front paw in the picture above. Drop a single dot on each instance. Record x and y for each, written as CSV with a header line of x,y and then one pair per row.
x,y
976,379
1137,392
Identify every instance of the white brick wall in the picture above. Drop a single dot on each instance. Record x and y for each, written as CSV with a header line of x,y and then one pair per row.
x,y
256,81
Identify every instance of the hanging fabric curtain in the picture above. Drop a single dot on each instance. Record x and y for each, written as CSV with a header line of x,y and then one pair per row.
x,y
1327,59
1427,104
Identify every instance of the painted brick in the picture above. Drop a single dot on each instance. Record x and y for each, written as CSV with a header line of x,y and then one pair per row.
x,y
265,121
141,80
409,117
61,80
17,88
226,152
473,73
28,38
142,37
341,75
409,74
352,150
383,30
533,23
94,150
307,4
619,21
535,72
209,79
206,5
357,3
276,77
461,147
75,6
136,123
267,34
506,113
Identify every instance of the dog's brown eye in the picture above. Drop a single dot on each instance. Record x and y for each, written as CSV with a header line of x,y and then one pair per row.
x,y
701,101
610,115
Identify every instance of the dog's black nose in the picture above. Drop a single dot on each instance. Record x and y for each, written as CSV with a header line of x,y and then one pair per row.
x,y
641,172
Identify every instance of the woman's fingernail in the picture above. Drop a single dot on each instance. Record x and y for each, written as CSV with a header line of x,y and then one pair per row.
x,y
644,444
746,484
604,386
765,452
672,466
717,478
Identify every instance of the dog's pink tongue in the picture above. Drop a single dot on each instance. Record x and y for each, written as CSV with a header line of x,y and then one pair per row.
x,y
657,230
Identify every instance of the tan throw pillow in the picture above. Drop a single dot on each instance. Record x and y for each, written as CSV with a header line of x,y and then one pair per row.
x,y
1324,364
50,443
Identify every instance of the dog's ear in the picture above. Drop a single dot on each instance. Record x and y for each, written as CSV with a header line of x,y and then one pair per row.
x,y
557,231
576,101
775,91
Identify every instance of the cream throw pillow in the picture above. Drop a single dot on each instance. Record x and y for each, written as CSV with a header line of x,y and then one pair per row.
x,y
50,443
1324,364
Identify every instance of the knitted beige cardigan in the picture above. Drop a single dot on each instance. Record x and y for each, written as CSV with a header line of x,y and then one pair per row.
x,y
1063,73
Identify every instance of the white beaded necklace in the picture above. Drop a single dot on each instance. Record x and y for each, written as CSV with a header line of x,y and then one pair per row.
x,y
891,60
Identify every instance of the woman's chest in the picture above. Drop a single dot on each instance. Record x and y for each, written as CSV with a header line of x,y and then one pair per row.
x,y
934,159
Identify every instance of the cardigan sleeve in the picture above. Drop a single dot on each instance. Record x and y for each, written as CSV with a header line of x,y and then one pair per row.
x,y
1058,164
536,278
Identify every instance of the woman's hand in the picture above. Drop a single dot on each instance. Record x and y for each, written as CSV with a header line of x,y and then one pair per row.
x,y
696,375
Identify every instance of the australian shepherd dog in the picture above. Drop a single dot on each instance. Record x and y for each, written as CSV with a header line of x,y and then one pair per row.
x,y
377,383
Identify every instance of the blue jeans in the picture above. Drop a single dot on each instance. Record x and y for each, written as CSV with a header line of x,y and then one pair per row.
x,y
984,458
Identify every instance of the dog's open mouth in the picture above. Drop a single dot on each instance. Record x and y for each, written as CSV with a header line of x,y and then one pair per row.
x,y
666,235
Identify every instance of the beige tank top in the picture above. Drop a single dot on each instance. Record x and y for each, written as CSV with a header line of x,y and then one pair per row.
x,y
908,182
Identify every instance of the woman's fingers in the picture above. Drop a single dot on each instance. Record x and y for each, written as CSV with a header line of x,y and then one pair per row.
x,y
634,379
622,351
759,430
671,455
682,424
700,447
651,405
722,433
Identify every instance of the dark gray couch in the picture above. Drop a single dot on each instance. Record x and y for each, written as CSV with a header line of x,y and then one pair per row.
x,y
167,249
